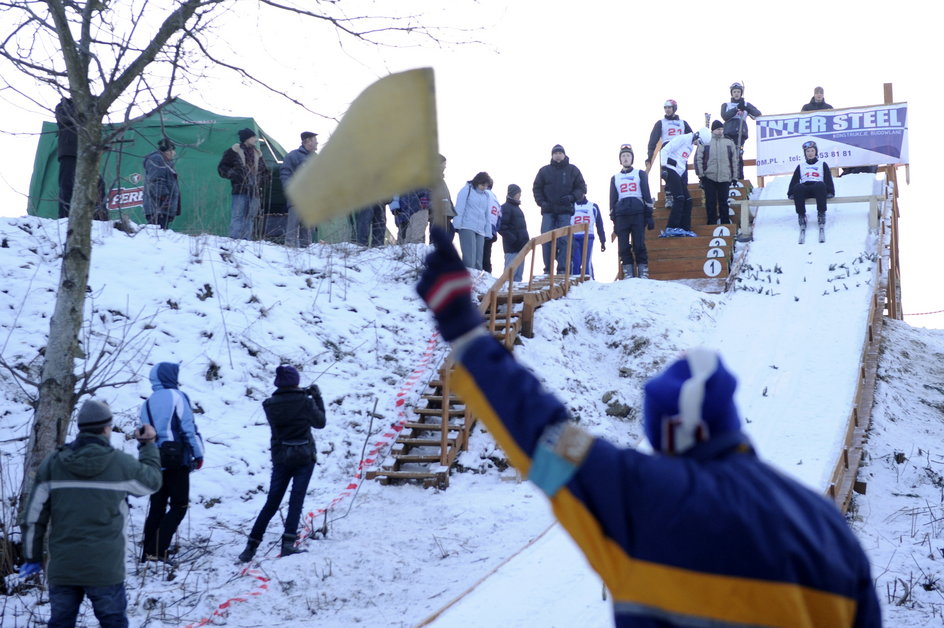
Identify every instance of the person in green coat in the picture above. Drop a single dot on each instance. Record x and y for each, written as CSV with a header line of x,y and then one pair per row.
x,y
79,496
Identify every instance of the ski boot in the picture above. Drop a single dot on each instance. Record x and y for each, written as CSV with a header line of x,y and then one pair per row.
x,y
288,545
251,546
821,220
628,271
644,271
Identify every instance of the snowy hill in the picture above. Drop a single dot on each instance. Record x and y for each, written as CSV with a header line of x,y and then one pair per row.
x,y
348,319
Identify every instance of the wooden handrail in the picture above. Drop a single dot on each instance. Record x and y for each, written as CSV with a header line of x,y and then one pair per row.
x,y
746,230
489,304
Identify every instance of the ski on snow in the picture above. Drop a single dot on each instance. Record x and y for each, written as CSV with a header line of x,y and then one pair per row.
x,y
822,233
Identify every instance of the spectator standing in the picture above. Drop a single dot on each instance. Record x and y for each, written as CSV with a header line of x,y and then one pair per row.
x,y
494,217
168,411
80,497
441,210
677,152
370,226
297,235
811,179
161,187
716,167
248,175
67,150
586,212
735,113
411,213
556,187
513,228
291,413
473,221
818,101
631,213
681,537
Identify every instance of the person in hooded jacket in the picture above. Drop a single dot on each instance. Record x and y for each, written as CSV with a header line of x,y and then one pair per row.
x,y
811,179
817,102
556,187
297,234
161,188
168,411
291,412
80,496
513,228
701,532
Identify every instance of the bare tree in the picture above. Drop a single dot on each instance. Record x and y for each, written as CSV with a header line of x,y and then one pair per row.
x,y
121,57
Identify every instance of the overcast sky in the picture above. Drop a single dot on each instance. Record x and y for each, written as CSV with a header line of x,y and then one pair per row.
x,y
590,76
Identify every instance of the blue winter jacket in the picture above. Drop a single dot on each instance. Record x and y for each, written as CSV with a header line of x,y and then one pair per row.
x,y
715,537
168,410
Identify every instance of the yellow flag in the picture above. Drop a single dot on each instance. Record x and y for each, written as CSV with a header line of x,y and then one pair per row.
x,y
386,145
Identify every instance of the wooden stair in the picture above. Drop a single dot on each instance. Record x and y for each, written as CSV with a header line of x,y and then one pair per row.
x,y
428,447
705,261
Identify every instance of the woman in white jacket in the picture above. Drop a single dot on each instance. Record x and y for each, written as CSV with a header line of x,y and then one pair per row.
x,y
472,221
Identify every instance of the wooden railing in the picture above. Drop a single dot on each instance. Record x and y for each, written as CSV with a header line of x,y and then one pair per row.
x,y
556,281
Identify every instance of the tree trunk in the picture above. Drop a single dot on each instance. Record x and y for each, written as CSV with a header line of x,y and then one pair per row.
x,y
57,381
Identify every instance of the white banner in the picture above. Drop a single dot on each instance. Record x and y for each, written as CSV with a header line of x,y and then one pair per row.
x,y
864,136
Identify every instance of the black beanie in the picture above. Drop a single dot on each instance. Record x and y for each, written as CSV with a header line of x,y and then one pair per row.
x,y
513,189
558,149
286,377
245,134
717,124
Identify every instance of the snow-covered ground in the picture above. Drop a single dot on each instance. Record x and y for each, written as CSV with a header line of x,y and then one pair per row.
x,y
348,319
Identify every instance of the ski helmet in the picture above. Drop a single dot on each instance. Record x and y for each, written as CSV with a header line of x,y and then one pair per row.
x,y
736,85
810,144
626,148
670,103
703,135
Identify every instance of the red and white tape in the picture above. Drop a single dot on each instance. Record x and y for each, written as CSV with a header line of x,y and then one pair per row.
x,y
407,388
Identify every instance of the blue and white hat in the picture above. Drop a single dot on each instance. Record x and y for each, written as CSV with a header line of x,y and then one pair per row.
x,y
690,402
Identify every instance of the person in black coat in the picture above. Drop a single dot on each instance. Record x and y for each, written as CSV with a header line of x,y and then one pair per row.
x,y
291,413
513,228
67,149
817,102
556,187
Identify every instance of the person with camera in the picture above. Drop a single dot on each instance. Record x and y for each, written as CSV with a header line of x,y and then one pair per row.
x,y
168,411
75,488
291,412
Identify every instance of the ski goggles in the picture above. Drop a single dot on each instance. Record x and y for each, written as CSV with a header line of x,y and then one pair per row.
x,y
809,145
626,148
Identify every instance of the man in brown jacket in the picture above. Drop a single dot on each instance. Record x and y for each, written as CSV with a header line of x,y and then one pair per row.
x,y
248,174
716,167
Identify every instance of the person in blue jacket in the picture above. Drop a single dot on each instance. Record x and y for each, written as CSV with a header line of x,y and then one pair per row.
x,y
181,446
700,533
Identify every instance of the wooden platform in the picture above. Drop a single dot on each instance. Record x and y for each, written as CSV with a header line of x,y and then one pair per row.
x,y
706,260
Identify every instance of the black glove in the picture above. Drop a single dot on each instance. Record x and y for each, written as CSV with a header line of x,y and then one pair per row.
x,y
603,244
735,183
567,199
701,182
741,105
446,287
650,223
648,163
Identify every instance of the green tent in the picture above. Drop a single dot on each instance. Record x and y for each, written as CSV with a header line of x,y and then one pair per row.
x,y
201,137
